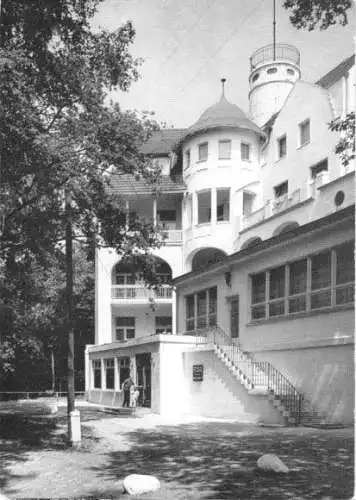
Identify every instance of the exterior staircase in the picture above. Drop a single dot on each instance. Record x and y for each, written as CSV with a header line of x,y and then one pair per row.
x,y
261,378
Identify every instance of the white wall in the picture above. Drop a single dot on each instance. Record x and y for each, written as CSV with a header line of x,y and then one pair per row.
x,y
306,101
212,174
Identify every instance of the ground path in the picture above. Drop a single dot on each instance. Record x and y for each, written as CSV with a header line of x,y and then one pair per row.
x,y
193,459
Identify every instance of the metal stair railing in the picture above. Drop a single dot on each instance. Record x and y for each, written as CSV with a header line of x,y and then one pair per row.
x,y
258,373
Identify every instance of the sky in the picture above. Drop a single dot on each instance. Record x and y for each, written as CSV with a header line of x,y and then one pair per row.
x,y
187,46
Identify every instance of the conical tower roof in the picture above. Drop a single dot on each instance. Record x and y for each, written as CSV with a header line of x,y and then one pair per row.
x,y
223,114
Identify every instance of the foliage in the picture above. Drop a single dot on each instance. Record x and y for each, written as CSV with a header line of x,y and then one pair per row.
x,y
310,14
345,148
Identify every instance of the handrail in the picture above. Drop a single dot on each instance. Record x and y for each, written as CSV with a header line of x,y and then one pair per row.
x,y
257,373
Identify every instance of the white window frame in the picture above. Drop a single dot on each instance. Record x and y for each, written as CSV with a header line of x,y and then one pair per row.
x,y
302,142
279,140
200,147
229,204
228,156
109,364
208,316
248,146
333,288
125,329
210,195
187,159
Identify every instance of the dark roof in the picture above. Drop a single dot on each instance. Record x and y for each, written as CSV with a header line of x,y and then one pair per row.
x,y
334,218
127,184
222,114
338,72
162,142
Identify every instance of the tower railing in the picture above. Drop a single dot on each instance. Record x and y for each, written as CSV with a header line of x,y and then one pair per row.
x,y
281,51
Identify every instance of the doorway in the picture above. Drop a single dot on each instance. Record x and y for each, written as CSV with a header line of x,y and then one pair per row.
x,y
234,318
143,377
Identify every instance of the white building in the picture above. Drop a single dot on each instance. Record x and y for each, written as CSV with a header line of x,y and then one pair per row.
x,y
258,214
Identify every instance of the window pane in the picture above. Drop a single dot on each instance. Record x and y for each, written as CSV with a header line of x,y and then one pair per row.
x,y
282,147
276,285
125,321
213,299
321,299
202,303
109,365
276,308
345,263
304,132
245,151
281,190
203,151
224,150
298,277
204,207
322,166
190,306
120,334
258,288
223,204
297,304
130,333
321,270
258,312
163,324
345,294
190,324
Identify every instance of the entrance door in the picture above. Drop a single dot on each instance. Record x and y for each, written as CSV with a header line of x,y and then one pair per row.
x,y
143,374
234,317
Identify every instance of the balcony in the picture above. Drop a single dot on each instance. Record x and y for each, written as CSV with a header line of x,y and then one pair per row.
x,y
279,52
172,237
277,206
139,293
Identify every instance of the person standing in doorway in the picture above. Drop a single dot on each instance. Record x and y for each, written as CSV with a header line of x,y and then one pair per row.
x,y
126,387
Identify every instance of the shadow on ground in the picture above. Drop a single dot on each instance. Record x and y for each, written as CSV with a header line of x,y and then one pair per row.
x,y
26,428
218,461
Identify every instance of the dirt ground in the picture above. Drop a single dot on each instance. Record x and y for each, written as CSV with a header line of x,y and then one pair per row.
x,y
193,458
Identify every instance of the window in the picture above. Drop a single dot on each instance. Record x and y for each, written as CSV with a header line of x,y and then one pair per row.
x,y
245,151
271,71
203,151
255,77
124,369
187,159
97,373
204,207
322,166
276,291
225,150
201,309
319,281
167,219
110,373
282,146
223,205
297,286
345,273
125,328
163,324
190,210
281,190
304,133
198,373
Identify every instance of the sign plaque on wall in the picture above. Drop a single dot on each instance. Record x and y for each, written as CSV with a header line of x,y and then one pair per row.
x,y
198,373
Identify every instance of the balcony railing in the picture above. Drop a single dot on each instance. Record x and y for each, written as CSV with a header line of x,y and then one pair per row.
x,y
280,51
140,293
277,206
172,237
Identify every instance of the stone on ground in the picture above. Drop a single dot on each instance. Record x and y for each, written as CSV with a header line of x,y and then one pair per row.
x,y
135,484
270,462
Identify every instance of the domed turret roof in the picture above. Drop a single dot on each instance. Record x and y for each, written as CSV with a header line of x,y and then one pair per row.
x,y
223,114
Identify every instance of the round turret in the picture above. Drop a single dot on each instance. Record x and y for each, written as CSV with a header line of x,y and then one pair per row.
x,y
274,71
